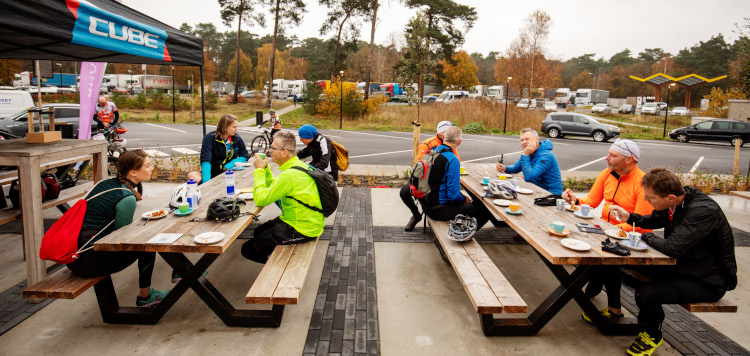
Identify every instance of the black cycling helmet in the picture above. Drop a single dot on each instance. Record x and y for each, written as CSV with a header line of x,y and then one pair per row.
x,y
224,209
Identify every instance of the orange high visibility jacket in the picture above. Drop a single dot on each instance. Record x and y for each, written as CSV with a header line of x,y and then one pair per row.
x,y
430,143
625,191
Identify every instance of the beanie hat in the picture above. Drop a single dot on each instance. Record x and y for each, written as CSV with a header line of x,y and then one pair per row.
x,y
307,131
626,148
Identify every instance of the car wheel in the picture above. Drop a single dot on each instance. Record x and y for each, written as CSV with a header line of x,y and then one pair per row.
x,y
599,136
737,140
554,133
683,138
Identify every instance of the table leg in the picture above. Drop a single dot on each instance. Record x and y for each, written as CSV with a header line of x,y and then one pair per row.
x,y
31,219
100,166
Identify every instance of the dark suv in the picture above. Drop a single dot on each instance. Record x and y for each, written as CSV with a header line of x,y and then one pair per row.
x,y
731,131
559,124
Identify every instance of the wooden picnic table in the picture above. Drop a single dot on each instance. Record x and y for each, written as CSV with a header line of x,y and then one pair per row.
x,y
134,237
30,158
533,226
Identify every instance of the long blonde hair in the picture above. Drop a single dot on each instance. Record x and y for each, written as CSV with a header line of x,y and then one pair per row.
x,y
225,121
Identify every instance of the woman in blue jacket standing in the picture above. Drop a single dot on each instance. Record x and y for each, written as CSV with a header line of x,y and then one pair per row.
x,y
222,149
538,163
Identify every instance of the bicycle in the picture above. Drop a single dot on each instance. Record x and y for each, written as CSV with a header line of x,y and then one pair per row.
x,y
261,142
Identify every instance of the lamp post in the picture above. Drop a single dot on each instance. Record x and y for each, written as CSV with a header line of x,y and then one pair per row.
x,y
60,65
507,91
131,81
341,99
593,81
669,90
173,111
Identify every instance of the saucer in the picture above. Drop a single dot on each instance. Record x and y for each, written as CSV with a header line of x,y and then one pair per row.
x,y
245,196
507,210
614,234
575,245
207,238
568,208
578,214
464,173
483,183
178,213
502,202
563,234
641,246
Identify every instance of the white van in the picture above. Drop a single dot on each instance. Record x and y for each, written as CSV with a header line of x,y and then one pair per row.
x,y
450,96
13,101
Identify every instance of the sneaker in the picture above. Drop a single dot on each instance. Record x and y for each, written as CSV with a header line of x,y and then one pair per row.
x,y
644,345
412,222
605,313
176,278
154,298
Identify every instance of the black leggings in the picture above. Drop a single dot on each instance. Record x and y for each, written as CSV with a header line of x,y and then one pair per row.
x,y
665,287
448,211
267,236
408,200
92,263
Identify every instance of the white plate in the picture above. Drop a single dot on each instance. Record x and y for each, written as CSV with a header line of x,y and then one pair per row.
x,y
464,173
575,245
568,208
641,246
149,214
502,202
578,214
613,233
245,196
208,238
524,190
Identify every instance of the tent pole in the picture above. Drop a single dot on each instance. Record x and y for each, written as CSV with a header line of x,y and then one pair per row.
x,y
203,103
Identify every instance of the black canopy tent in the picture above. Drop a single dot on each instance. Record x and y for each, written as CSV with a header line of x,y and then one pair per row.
x,y
96,31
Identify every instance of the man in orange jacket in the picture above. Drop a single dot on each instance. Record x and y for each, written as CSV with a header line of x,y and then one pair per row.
x,y
424,147
619,184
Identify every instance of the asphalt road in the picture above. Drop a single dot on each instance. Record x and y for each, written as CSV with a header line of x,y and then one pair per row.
x,y
394,148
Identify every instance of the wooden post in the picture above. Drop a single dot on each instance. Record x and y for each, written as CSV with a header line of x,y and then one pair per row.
x,y
51,119
31,210
30,120
737,156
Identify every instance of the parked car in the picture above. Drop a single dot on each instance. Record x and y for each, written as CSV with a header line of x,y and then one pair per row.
x,y
559,124
550,106
731,131
601,108
524,103
428,99
120,90
680,111
627,109
400,98
17,124
661,105
650,109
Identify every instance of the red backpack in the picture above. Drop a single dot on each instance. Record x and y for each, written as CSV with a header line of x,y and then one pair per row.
x,y
60,243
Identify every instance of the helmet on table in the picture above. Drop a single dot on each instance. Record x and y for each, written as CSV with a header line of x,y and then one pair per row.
x,y
224,209
462,228
178,195
502,189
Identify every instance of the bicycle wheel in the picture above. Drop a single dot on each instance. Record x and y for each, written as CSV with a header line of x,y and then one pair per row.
x,y
259,145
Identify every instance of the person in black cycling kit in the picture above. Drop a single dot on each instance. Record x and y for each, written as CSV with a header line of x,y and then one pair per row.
x,y
105,113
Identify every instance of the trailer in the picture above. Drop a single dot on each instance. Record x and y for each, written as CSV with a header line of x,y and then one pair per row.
x,y
562,96
479,91
165,82
296,87
496,92
221,87
585,97
58,80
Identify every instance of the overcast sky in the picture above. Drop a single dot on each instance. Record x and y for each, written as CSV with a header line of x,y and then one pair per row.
x,y
603,27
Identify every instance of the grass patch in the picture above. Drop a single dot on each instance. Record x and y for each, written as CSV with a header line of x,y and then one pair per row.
x,y
244,111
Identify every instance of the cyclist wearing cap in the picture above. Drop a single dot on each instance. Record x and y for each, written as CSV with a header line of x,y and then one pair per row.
x,y
105,113
275,122
424,147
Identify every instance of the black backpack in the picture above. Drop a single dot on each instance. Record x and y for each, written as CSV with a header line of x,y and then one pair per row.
x,y
329,194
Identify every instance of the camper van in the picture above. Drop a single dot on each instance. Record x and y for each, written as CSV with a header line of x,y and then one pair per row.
x,y
450,96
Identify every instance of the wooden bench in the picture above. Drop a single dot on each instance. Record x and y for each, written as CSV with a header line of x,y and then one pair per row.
x,y
62,284
7,177
281,279
488,289
720,306
9,214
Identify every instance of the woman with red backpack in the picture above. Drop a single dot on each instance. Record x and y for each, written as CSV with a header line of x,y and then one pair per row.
x,y
111,205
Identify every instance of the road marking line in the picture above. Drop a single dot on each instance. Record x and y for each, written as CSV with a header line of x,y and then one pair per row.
x,y
586,164
479,159
370,134
156,153
162,147
164,127
696,165
671,146
185,151
378,154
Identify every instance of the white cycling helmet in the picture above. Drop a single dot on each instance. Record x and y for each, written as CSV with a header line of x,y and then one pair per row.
x,y
178,195
502,189
462,228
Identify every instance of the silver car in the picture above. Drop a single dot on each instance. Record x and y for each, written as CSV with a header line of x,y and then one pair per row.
x,y
559,124
17,124
650,109
601,108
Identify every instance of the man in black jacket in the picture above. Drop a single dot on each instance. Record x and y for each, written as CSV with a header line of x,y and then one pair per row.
x,y
320,148
698,235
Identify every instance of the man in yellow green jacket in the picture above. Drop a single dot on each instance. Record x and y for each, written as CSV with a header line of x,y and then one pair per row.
x,y
297,222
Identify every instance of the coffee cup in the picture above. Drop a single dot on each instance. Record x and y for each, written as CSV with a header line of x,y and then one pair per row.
x,y
184,207
557,226
585,209
463,170
634,238
560,204
261,155
485,180
514,208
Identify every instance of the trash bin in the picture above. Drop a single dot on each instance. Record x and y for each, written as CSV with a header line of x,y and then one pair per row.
x,y
258,117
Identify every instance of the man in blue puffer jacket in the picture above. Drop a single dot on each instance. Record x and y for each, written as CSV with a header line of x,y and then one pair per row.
x,y
537,162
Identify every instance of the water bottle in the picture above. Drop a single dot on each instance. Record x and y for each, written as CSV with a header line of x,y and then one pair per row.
x,y
230,183
190,194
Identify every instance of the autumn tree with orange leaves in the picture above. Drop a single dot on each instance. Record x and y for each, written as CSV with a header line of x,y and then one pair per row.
x,y
286,66
462,75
